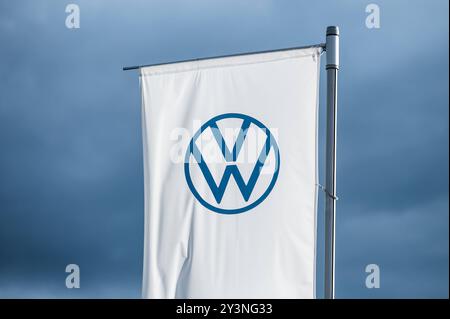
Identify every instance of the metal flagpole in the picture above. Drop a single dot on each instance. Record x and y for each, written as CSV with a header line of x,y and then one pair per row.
x,y
332,52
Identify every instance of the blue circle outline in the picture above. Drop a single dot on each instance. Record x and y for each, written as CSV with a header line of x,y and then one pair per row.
x,y
207,124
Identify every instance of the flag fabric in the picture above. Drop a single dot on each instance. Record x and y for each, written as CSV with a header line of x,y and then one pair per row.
x,y
230,174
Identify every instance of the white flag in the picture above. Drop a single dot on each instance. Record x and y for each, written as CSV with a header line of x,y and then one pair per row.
x,y
230,164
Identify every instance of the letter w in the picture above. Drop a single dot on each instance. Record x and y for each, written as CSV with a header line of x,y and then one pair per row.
x,y
246,189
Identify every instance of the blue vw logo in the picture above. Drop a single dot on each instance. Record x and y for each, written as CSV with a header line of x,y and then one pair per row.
x,y
249,154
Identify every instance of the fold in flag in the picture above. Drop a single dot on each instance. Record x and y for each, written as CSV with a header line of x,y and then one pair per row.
x,y
230,170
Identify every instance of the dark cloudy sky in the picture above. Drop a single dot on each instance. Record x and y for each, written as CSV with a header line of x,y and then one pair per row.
x,y
71,185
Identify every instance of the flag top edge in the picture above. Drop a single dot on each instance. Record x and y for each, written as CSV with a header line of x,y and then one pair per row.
x,y
230,61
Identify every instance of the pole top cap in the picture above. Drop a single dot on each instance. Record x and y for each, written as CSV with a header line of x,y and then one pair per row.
x,y
333,30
